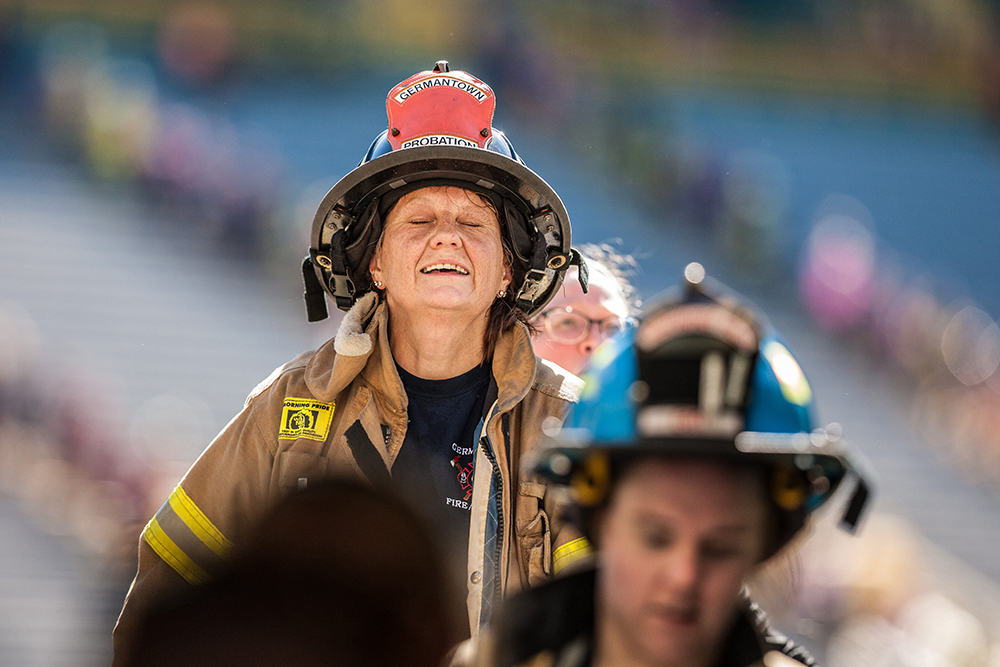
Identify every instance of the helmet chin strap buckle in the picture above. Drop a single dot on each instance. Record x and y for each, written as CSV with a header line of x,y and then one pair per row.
x,y
343,290
535,282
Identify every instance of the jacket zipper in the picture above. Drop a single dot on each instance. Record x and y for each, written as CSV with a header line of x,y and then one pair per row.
x,y
488,450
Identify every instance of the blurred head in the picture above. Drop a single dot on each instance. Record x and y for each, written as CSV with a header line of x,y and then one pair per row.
x,y
574,324
337,575
677,539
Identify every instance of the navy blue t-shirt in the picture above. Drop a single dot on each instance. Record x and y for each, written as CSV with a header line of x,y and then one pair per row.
x,y
434,468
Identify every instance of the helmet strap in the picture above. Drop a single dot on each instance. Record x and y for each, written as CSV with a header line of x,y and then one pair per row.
x,y
856,506
342,286
314,295
583,273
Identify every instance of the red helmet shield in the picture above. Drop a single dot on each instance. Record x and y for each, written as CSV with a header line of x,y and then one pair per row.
x,y
435,108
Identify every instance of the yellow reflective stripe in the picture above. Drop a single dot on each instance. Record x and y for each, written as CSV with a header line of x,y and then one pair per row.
x,y
200,525
569,553
171,554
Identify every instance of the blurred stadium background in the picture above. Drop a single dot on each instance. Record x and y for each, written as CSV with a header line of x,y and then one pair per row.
x,y
839,163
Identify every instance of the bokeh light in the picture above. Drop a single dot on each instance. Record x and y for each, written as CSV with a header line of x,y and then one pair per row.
x,y
838,276
971,345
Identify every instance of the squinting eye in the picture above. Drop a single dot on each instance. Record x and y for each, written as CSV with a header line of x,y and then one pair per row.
x,y
720,551
654,538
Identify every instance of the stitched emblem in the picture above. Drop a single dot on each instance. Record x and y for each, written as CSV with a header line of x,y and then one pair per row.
x,y
303,418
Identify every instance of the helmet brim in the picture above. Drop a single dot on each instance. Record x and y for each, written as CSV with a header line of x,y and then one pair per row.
x,y
560,458
479,169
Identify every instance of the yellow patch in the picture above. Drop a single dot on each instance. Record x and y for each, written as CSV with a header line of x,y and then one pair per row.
x,y
302,418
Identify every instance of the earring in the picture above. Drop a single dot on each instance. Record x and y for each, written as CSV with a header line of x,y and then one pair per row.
x,y
378,284
501,294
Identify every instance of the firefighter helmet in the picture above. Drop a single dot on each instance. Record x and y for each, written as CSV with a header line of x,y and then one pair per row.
x,y
704,374
440,133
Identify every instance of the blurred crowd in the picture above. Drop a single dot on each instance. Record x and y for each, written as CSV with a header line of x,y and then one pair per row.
x,y
945,350
78,464
109,113
70,455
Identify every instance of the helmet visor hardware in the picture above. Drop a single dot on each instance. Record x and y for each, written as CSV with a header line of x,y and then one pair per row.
x,y
591,480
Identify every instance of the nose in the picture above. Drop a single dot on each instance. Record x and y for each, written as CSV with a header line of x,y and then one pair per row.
x,y
446,232
681,568
592,340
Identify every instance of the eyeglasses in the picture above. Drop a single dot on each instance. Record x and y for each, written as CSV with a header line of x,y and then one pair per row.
x,y
563,325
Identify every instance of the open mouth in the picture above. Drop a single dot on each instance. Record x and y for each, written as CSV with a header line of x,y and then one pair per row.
x,y
444,268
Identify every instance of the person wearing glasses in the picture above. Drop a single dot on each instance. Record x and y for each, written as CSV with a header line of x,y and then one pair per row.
x,y
575,323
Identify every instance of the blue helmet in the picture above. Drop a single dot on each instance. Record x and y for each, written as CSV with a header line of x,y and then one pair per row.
x,y
440,133
704,374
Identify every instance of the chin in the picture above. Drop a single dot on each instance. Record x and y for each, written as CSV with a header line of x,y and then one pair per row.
x,y
672,645
673,650
448,301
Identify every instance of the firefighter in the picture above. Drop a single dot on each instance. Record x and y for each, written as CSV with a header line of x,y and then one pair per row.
x,y
440,246
692,458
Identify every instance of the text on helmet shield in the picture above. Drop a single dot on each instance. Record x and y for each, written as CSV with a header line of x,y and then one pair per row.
x,y
453,82
438,140
675,420
710,319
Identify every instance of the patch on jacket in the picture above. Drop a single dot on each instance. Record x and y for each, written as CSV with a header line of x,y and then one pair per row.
x,y
303,418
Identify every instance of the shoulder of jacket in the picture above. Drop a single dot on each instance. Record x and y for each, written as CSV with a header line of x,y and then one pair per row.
x,y
554,380
296,365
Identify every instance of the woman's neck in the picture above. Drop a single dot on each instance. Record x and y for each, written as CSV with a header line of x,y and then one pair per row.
x,y
436,345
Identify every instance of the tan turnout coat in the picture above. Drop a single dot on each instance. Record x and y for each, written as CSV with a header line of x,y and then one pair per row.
x,y
342,410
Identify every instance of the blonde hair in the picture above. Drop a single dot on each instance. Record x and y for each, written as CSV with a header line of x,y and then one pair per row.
x,y
620,266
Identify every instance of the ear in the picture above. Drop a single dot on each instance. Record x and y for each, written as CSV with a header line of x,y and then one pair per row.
x,y
373,265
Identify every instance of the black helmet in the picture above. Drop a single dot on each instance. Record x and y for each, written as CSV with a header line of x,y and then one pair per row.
x,y
704,375
440,133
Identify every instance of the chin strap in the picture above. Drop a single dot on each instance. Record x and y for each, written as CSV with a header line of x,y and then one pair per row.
x,y
583,273
315,297
856,506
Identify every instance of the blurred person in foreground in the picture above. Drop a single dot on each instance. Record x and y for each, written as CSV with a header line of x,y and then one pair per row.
x,y
339,575
575,322
440,245
692,459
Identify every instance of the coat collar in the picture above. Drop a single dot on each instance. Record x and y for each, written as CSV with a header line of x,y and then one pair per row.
x,y
361,347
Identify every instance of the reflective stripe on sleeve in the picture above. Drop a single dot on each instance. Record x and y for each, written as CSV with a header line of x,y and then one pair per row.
x,y
199,524
172,554
186,539
569,553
